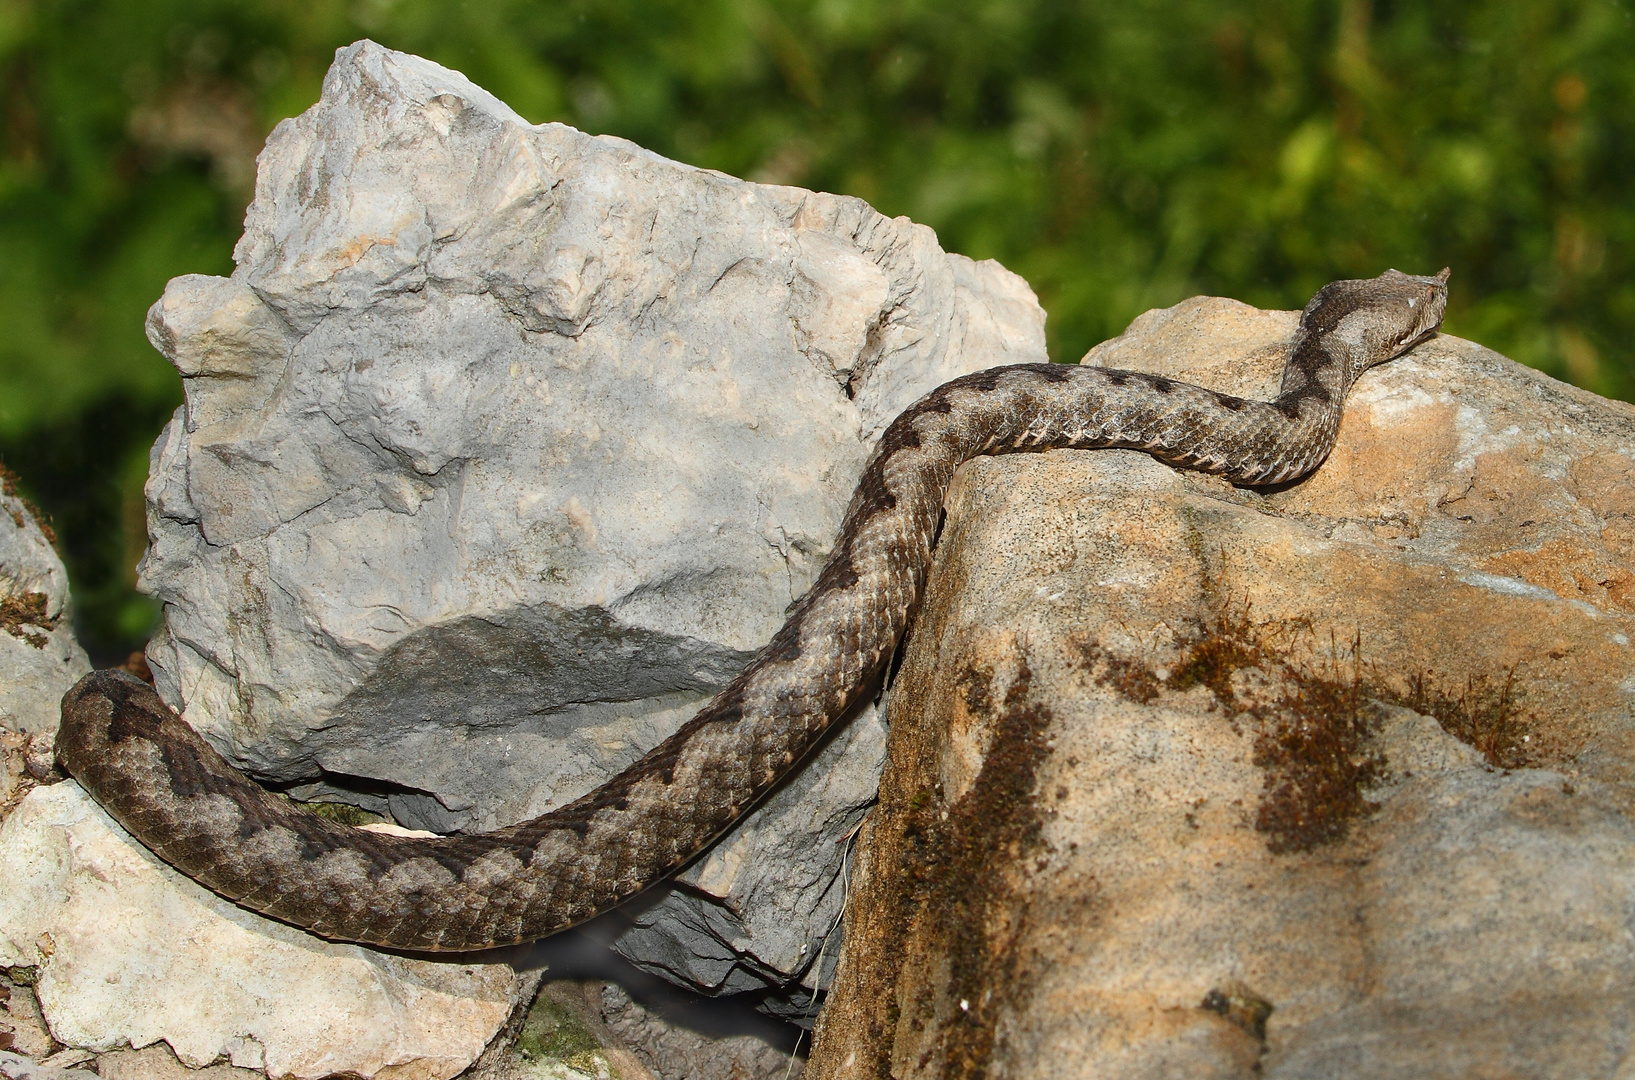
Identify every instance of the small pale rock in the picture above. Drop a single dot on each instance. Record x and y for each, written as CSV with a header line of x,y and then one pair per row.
x,y
122,943
67,1059
387,828
1095,854
18,1067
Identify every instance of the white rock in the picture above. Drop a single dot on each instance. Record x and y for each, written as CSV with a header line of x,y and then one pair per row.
x,y
39,658
18,1067
68,1059
130,952
504,446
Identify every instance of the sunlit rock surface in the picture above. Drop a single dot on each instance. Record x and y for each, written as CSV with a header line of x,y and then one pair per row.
x,y
1334,780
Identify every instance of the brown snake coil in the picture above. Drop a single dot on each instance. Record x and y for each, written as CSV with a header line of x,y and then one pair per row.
x,y
174,793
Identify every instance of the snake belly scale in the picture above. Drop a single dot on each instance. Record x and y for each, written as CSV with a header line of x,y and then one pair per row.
x,y
175,794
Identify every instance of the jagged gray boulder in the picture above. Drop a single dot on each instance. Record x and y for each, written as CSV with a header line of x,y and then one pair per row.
x,y
504,447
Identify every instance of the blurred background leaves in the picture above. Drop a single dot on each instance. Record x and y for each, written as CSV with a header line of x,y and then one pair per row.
x,y
1119,156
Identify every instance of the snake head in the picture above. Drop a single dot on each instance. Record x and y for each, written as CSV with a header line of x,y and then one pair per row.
x,y
1378,319
1426,301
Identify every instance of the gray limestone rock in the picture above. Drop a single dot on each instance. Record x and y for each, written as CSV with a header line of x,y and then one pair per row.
x,y
505,446
673,1052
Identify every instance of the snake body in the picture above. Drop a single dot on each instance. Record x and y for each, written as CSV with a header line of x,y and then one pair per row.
x,y
175,794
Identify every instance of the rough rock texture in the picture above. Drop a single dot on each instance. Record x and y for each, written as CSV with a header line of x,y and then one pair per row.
x,y
128,952
504,446
18,1067
1334,780
39,658
21,1019
590,1028
158,1063
673,1052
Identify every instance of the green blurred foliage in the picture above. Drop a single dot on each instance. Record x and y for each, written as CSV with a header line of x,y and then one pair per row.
x,y
1119,156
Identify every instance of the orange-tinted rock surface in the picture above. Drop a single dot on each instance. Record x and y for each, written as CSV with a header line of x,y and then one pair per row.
x,y
1332,780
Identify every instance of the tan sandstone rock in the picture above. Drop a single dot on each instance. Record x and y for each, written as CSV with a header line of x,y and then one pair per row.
x,y
158,1063
128,953
1333,780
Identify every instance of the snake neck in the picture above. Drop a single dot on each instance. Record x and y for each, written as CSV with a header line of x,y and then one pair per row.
x,y
1320,371
1032,407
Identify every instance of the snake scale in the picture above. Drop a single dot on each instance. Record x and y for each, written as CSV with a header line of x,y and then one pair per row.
x,y
172,791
